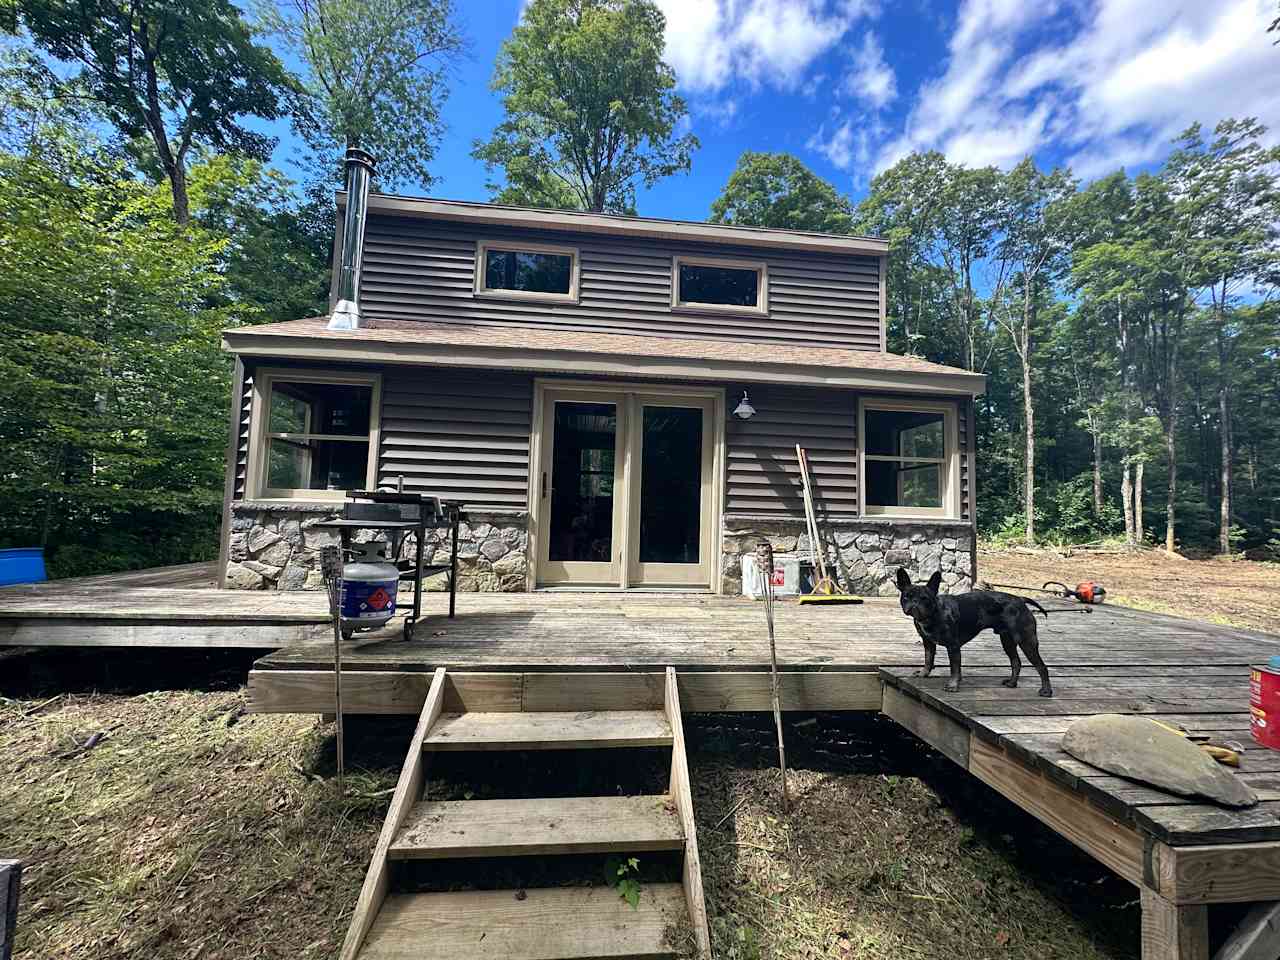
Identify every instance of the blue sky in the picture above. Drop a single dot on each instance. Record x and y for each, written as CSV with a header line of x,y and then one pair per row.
x,y
851,85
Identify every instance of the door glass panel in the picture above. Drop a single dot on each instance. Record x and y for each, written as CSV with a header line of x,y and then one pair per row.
x,y
582,482
671,485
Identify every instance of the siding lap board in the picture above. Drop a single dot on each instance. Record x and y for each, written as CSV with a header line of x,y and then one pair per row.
x,y
239,491
424,270
762,473
457,434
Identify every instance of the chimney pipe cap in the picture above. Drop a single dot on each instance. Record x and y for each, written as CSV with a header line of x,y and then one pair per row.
x,y
363,158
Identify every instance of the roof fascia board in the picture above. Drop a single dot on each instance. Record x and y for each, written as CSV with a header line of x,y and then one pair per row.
x,y
492,215
600,364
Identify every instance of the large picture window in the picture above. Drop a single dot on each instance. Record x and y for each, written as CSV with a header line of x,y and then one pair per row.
x,y
908,458
529,271
315,434
719,285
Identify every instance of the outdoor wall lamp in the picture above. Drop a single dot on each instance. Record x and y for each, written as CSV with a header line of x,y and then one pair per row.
x,y
744,410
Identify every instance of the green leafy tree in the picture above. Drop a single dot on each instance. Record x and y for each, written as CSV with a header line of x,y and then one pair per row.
x,y
591,108
172,74
777,190
376,77
113,388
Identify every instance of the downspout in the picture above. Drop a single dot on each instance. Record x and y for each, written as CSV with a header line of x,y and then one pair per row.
x,y
346,309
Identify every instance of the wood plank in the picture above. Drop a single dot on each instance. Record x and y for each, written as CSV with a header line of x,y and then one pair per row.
x,y
377,881
1114,844
945,735
48,632
682,795
10,887
1256,937
510,828
1217,873
589,729
311,691
591,691
1190,824
546,924
1172,932
719,692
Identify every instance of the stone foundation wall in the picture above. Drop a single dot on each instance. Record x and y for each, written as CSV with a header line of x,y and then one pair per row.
x,y
277,547
862,555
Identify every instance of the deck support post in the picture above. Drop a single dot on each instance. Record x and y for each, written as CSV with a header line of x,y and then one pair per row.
x,y
1173,932
10,882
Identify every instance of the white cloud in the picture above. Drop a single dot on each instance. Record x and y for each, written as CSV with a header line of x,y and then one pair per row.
x,y
871,79
1126,79
711,43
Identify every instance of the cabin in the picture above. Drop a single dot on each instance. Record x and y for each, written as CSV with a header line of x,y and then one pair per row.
x,y
616,402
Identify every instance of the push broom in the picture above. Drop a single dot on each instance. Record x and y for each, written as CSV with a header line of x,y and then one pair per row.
x,y
825,590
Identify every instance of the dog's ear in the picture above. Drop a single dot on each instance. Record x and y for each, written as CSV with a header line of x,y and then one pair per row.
x,y
904,580
935,582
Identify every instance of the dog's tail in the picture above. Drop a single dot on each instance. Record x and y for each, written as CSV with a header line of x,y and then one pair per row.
x,y
1037,606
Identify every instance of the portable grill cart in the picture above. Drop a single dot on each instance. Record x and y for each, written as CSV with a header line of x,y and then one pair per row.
x,y
398,515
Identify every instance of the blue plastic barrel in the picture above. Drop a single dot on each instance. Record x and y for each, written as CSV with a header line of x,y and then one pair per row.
x,y
22,565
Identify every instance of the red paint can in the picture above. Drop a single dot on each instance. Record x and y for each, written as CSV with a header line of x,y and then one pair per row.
x,y
1264,703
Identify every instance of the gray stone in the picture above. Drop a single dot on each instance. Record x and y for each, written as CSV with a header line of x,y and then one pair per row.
x,y
294,577
291,530
267,570
513,536
468,549
898,558
314,581
481,531
315,539
867,542
240,577
1139,749
260,538
238,546
244,523
949,543
277,554
494,548
845,538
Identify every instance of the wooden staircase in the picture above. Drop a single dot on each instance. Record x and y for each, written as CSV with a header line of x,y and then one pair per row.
x,y
554,923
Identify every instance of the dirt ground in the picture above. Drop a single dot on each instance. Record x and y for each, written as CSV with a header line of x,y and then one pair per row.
x,y
1242,593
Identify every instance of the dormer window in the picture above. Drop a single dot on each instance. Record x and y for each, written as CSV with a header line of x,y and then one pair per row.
x,y
732,286
527,271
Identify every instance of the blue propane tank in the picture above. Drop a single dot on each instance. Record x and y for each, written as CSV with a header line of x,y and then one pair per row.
x,y
369,583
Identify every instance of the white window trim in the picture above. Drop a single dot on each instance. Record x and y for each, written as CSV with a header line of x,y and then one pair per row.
x,y
575,271
761,309
950,509
263,379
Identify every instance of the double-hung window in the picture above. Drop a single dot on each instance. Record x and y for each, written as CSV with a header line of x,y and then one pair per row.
x,y
909,459
316,434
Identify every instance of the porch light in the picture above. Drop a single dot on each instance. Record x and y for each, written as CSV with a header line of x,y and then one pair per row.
x,y
744,410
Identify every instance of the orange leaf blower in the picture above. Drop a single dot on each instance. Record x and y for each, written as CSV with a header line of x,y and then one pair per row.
x,y
1086,592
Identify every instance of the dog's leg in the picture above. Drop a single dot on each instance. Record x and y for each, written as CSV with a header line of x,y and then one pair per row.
x,y
1030,645
930,652
953,655
1010,644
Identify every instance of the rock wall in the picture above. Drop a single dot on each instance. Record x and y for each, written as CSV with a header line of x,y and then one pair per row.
x,y
863,555
277,547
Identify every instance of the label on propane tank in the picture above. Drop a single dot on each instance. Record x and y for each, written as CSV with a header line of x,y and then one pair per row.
x,y
368,599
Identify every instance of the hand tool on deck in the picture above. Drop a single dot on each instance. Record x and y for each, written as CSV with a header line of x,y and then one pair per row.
x,y
764,560
825,590
331,570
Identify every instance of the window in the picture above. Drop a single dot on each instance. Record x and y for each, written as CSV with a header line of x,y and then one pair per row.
x,y
720,285
315,434
528,271
908,455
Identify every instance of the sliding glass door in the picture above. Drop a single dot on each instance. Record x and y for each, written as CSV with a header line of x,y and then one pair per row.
x,y
625,489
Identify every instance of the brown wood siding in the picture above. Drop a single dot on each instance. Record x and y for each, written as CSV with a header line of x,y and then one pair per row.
x,y
763,476
966,496
458,434
423,270
238,491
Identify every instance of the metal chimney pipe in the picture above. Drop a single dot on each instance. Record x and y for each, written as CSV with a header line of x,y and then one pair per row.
x,y
346,310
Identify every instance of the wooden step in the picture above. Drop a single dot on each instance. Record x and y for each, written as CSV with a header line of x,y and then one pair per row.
x,y
541,924
513,828
590,729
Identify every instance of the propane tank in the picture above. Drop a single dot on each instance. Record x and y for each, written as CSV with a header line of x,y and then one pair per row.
x,y
369,583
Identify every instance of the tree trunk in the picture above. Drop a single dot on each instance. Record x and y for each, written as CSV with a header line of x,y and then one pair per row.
x,y
1126,500
1028,413
1097,471
1224,520
1171,451
1139,534
181,203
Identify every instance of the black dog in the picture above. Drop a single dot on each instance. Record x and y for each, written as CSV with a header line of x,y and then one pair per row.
x,y
952,622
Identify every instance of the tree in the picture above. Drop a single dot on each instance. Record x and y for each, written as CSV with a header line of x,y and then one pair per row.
x,y
777,190
376,77
590,106
1229,193
171,73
